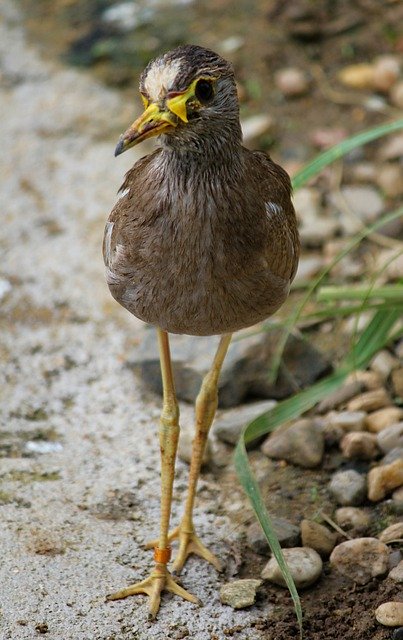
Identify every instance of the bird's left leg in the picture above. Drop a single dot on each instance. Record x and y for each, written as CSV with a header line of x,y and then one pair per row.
x,y
205,408
160,579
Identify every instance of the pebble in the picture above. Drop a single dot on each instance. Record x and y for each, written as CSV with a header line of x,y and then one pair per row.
x,y
229,424
348,487
397,382
397,634
384,363
353,518
396,95
382,419
305,566
382,479
369,401
363,172
291,81
240,593
357,76
308,267
324,138
318,537
392,149
394,454
397,573
391,437
360,445
340,396
186,437
307,202
390,614
288,535
390,179
369,379
364,200
361,559
392,533
348,420
397,497
256,126
386,70
301,444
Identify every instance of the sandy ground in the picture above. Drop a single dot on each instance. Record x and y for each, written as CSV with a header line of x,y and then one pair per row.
x,y
80,465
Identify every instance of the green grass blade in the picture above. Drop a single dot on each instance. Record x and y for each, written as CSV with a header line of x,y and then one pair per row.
x,y
339,150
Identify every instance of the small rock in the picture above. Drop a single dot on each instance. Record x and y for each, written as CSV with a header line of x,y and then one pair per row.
x,y
256,126
396,95
363,172
397,497
360,445
291,81
361,559
391,437
394,454
364,200
397,382
357,76
240,593
390,614
5,288
318,537
286,532
340,396
390,179
301,444
328,137
348,487
369,401
185,447
308,267
348,420
308,203
352,518
383,419
305,566
397,634
384,363
369,379
229,424
397,573
386,71
382,479
392,149
392,533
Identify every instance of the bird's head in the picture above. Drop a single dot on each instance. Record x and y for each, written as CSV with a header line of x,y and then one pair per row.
x,y
189,95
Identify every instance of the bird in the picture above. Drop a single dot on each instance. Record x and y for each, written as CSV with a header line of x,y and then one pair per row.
x,y
202,241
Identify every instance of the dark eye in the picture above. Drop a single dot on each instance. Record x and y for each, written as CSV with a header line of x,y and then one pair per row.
x,y
204,91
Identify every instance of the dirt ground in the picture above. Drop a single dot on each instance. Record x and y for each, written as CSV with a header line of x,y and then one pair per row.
x,y
79,460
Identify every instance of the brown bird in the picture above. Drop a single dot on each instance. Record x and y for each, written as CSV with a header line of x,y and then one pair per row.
x,y
202,241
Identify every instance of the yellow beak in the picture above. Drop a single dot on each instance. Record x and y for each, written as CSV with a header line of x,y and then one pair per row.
x,y
154,121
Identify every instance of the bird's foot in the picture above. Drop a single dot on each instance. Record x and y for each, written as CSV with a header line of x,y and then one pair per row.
x,y
189,543
158,581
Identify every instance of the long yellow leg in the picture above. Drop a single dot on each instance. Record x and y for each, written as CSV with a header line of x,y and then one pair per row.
x,y
160,579
206,406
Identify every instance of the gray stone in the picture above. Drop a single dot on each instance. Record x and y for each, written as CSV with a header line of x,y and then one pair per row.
x,y
348,420
361,559
364,201
340,396
301,444
186,437
245,370
229,424
392,533
397,573
394,454
390,437
287,534
305,566
256,126
240,593
383,363
348,487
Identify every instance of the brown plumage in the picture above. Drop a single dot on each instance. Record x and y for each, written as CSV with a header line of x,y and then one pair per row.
x,y
203,240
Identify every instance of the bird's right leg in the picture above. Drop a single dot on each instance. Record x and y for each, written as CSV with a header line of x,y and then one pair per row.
x,y
160,579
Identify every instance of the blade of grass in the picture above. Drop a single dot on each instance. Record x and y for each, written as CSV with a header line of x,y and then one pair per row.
x,y
391,293
374,337
341,149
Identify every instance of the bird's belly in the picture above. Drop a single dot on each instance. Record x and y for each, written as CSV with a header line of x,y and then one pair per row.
x,y
190,302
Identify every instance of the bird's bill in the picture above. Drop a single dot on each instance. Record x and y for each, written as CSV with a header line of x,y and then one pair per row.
x,y
151,123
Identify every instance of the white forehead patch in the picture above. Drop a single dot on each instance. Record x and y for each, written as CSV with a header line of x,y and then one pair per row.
x,y
161,77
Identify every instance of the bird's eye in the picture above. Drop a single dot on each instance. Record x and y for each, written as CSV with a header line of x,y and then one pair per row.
x,y
204,91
